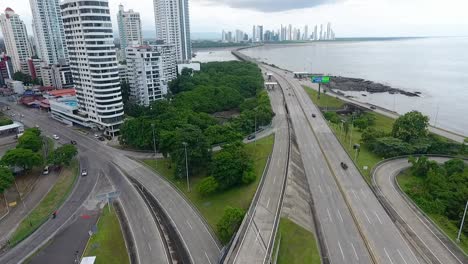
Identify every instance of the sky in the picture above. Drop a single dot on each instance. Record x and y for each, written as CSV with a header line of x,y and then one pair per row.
x,y
349,18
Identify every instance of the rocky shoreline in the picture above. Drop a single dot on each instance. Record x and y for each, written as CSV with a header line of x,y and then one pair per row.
x,y
361,85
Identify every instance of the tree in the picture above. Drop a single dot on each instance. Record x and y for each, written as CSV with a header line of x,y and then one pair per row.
x,y
411,126
454,166
63,155
232,166
391,147
29,140
23,158
333,117
364,121
421,165
208,186
229,223
6,178
370,134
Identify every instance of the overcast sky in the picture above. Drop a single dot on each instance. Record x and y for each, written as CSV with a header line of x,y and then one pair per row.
x,y
349,18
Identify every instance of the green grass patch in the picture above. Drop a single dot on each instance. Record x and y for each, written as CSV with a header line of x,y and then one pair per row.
x,y
108,244
408,183
297,244
325,101
54,198
212,207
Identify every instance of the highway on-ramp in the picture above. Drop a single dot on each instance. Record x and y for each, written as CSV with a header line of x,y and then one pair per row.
x,y
440,249
199,242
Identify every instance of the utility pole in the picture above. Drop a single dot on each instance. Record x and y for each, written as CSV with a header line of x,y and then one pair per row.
x,y
462,222
186,165
154,140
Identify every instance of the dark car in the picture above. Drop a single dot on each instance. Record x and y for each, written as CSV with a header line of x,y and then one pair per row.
x,y
73,142
373,107
101,138
344,166
250,137
313,115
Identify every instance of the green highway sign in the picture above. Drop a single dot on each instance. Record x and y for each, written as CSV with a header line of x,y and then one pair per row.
x,y
320,79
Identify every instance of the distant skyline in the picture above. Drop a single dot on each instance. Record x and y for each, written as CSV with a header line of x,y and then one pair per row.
x,y
351,18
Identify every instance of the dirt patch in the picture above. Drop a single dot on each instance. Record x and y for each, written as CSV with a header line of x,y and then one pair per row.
x,y
225,116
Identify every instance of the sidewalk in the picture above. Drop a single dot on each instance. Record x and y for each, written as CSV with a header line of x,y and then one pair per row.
x,y
9,223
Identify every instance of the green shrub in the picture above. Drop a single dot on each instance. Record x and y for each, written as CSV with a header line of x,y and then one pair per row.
x,y
208,186
229,223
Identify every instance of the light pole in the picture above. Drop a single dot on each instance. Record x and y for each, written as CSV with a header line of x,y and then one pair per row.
x,y
462,222
154,140
186,165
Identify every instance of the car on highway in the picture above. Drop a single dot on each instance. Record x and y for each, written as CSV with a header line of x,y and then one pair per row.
x,y
84,172
344,166
55,137
313,115
73,142
373,107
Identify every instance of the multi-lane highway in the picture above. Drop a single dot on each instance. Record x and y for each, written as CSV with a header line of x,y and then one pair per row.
x,y
439,249
199,242
254,241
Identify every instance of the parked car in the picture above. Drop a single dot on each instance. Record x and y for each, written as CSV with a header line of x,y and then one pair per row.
x,y
45,171
84,172
373,107
101,138
250,137
96,136
73,142
55,137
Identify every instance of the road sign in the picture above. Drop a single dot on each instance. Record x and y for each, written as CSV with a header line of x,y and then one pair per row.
x,y
320,79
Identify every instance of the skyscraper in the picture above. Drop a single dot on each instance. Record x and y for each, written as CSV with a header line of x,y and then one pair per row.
x,y
16,40
315,33
173,26
93,63
321,32
48,31
129,29
306,32
328,31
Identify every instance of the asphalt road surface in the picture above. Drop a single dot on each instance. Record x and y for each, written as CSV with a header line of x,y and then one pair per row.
x,y
435,242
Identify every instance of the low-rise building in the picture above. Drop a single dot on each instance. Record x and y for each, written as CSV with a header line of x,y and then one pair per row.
x,y
16,86
58,76
149,69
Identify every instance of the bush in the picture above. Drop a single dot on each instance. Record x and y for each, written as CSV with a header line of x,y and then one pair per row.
x,y
388,147
208,186
5,121
333,117
229,223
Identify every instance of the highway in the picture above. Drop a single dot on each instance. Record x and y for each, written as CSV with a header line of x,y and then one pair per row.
x,y
381,238
253,244
199,242
439,248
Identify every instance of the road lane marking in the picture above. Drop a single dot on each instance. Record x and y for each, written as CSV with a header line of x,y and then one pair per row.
x,y
206,255
268,203
329,215
188,223
256,237
378,218
355,253
339,214
364,193
342,254
274,179
149,247
355,195
368,220
320,188
399,253
388,256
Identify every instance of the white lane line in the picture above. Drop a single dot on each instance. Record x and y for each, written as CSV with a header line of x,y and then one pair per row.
x,y
274,179
188,223
149,247
378,218
320,188
355,195
355,253
399,253
268,203
342,254
256,237
339,214
329,215
363,193
144,230
206,255
388,256
368,220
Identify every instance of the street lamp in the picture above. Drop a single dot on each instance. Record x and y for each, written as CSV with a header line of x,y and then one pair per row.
x,y
154,140
186,165
357,148
462,222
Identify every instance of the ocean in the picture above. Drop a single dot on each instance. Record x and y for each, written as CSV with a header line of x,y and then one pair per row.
x,y
435,67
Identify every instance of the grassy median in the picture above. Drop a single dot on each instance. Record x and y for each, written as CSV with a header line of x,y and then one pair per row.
x,y
297,245
408,183
108,244
212,207
54,198
325,101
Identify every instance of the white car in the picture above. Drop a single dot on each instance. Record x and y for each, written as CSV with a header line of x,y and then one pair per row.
x,y
84,172
55,137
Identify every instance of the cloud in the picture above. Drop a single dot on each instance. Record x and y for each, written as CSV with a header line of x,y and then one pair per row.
x,y
271,5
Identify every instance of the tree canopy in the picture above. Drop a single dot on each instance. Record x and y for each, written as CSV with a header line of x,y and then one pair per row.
x,y
6,178
30,139
229,223
63,155
23,158
411,126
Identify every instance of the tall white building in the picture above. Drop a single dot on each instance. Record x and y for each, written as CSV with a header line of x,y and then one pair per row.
x,y
48,31
16,40
149,69
130,32
173,26
93,62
